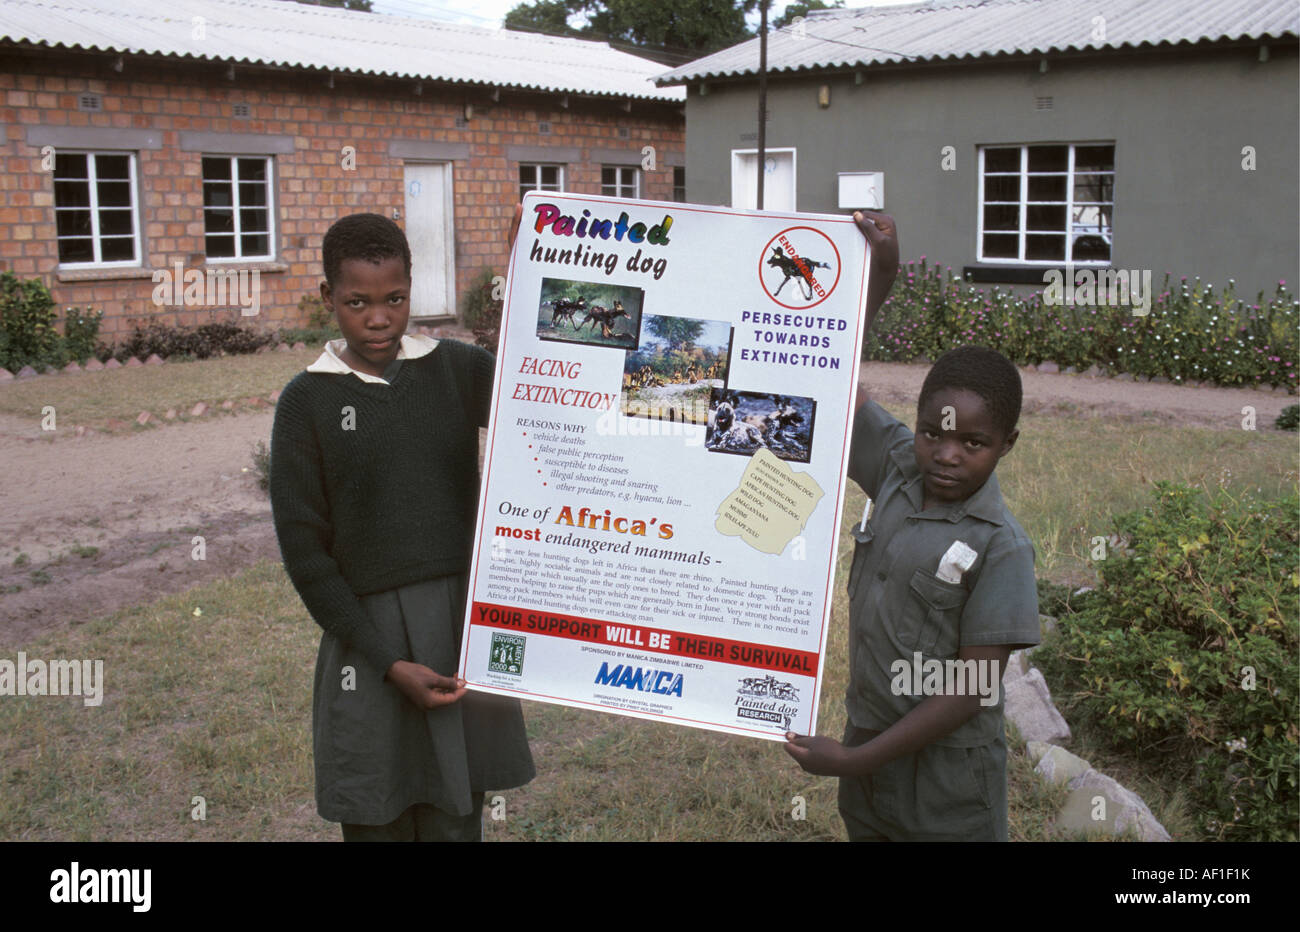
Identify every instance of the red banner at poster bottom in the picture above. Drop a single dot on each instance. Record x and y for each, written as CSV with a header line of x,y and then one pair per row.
x,y
652,640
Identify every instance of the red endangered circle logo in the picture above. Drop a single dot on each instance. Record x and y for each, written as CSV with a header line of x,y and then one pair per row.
x,y
799,267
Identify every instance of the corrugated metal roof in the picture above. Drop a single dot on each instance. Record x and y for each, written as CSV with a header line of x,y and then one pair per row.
x,y
278,33
968,29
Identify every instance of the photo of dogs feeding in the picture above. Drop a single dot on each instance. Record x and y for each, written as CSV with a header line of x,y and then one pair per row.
x,y
681,360
745,422
590,313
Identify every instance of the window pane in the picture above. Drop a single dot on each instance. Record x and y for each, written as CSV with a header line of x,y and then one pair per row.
x,y
71,194
70,166
1044,247
219,221
1091,218
1094,187
254,245
1047,188
76,250
219,247
217,195
115,222
252,169
112,166
1002,218
253,221
1001,246
114,193
216,169
1094,158
252,194
1045,218
1091,249
608,175
1049,158
550,177
1002,188
72,222
117,249
1002,160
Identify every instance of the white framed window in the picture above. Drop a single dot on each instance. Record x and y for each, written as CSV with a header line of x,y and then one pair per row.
x,y
540,178
1047,204
620,181
238,207
95,208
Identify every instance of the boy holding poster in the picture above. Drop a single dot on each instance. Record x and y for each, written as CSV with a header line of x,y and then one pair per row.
x,y
941,570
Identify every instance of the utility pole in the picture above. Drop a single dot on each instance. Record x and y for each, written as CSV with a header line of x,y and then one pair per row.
x,y
762,100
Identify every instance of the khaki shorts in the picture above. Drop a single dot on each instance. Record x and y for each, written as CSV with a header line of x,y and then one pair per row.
x,y
937,794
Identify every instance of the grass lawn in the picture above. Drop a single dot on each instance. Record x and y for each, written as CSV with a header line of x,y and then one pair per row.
x,y
207,693
91,398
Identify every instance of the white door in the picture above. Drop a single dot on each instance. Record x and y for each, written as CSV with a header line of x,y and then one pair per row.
x,y
430,231
778,183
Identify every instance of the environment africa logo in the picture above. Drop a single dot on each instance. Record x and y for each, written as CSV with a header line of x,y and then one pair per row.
x,y
803,264
507,654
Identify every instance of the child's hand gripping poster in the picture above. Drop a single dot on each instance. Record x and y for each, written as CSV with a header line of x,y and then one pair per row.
x,y
665,463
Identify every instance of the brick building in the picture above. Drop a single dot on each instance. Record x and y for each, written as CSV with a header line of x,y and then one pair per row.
x,y
224,136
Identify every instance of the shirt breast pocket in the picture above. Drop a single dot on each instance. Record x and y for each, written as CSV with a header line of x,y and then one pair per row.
x,y
940,606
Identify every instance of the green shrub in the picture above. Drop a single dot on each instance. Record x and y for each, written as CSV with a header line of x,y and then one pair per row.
x,y
1191,334
27,320
481,312
1289,419
1186,653
81,332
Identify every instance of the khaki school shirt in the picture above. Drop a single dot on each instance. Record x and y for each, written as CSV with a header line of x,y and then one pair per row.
x,y
898,606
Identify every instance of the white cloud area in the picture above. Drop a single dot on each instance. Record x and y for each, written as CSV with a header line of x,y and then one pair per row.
x,y
489,13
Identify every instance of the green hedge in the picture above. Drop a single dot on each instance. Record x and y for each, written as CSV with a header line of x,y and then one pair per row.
x,y
29,335
1191,334
1186,653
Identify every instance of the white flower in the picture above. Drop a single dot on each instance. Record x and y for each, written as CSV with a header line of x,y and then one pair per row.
x,y
1236,744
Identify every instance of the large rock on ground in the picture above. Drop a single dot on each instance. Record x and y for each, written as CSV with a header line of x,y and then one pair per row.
x,y
1029,707
1094,794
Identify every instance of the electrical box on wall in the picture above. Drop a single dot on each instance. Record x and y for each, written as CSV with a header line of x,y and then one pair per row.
x,y
862,189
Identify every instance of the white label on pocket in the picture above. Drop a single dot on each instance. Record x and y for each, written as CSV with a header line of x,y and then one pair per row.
x,y
956,561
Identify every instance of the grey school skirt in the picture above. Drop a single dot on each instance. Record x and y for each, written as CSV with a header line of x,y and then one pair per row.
x,y
376,753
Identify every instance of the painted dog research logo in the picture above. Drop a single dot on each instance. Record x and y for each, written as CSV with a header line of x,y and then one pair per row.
x,y
799,268
766,699
506,654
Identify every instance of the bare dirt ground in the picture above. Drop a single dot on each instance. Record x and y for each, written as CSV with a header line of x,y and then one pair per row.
x,y
141,497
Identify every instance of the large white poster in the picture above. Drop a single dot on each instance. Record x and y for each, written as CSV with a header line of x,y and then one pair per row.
x,y
665,464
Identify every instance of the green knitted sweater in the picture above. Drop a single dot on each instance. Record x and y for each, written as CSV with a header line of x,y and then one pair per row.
x,y
375,486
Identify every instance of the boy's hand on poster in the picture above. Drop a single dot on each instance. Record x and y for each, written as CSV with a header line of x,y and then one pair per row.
x,y
882,233
824,757
423,686
514,225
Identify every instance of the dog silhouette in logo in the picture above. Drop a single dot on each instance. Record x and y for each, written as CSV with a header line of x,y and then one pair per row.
x,y
796,267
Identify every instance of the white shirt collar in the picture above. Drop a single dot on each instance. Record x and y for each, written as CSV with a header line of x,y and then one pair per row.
x,y
412,346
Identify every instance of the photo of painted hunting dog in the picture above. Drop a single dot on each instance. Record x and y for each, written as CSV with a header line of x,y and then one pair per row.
x,y
590,313
745,422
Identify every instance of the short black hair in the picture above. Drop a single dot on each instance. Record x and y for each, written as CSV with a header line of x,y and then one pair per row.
x,y
372,237
981,370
